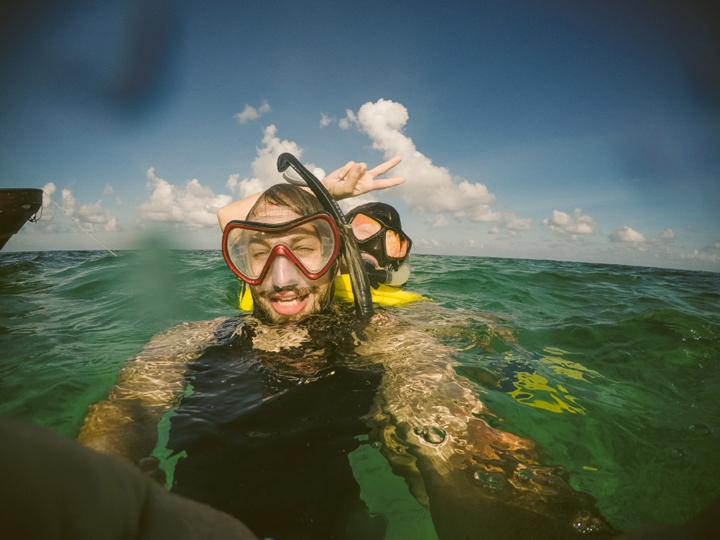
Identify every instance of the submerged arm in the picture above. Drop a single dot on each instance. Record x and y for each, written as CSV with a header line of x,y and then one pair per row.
x,y
463,468
125,423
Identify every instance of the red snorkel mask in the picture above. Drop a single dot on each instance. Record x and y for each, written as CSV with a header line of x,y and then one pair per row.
x,y
312,243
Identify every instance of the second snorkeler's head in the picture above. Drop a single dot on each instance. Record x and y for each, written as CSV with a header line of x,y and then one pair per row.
x,y
379,234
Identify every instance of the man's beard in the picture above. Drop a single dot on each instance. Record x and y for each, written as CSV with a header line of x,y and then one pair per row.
x,y
321,301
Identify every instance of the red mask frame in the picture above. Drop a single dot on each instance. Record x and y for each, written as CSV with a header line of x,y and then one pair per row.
x,y
280,249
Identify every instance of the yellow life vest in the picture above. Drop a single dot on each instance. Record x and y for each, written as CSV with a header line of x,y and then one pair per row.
x,y
384,294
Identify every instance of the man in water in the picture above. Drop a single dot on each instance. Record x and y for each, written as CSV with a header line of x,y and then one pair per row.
x,y
473,477
284,294
125,423
287,252
288,261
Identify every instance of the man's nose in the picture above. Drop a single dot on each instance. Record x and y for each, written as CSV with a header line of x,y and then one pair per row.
x,y
285,273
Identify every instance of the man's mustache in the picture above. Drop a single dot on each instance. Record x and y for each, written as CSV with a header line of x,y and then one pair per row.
x,y
300,291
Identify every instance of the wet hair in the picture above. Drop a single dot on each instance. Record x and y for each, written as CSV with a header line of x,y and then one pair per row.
x,y
286,195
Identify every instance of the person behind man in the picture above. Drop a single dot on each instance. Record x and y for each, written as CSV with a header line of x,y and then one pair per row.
x,y
383,244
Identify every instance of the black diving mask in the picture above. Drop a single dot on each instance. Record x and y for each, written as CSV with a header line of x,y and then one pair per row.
x,y
376,227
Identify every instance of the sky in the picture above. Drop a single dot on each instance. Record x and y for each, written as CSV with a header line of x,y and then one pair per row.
x,y
557,129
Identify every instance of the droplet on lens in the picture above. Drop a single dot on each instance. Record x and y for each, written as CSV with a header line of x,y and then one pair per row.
x,y
493,482
585,524
431,434
700,428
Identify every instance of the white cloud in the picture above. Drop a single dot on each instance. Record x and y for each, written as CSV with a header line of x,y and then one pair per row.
x,y
630,236
667,236
192,205
439,221
232,181
515,223
429,188
109,190
325,120
561,223
423,243
349,120
701,256
707,254
348,204
91,217
265,165
626,234
48,208
251,113
511,223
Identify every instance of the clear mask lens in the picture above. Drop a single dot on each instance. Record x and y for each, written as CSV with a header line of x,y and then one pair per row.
x,y
311,245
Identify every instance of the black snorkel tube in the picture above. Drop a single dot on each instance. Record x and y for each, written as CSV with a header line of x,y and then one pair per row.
x,y
350,248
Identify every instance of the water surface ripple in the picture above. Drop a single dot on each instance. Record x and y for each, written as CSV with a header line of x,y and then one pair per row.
x,y
612,370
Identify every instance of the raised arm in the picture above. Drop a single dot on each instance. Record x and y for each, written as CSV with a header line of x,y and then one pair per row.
x,y
350,180
236,210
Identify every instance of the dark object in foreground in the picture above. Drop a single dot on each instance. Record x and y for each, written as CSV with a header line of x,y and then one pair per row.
x,y
54,488
16,207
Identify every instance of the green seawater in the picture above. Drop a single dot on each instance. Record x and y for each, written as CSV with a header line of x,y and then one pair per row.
x,y
612,370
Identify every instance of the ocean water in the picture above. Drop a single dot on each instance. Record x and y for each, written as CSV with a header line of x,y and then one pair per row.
x,y
612,370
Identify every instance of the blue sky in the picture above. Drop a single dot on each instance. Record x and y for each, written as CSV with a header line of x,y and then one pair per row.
x,y
585,131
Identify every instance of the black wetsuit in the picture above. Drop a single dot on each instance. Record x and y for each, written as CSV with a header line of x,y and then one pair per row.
x,y
267,434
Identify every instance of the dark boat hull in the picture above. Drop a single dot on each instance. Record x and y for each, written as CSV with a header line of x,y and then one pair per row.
x,y
16,207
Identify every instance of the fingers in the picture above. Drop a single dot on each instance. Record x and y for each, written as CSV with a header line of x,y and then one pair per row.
x,y
385,167
355,179
342,183
385,183
354,174
343,171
